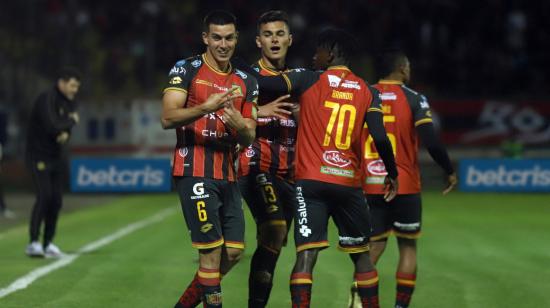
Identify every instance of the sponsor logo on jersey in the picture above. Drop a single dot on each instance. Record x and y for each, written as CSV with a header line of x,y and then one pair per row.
x,y
196,63
177,70
183,151
342,95
407,226
198,190
176,80
351,241
377,167
334,81
241,74
336,158
424,102
388,96
350,84
337,172
206,227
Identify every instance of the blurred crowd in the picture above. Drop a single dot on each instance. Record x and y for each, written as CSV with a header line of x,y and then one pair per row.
x,y
458,49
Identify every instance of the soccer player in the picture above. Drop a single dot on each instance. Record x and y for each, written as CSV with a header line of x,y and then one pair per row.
x,y
333,106
52,118
266,167
407,117
212,106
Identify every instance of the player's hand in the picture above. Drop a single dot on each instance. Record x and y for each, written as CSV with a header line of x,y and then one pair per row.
x,y
62,137
232,117
276,108
390,188
217,101
74,116
452,180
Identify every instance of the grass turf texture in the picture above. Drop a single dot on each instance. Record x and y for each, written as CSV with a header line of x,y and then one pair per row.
x,y
477,250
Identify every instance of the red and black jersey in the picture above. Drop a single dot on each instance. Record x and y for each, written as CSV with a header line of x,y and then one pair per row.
x,y
404,109
273,149
205,148
333,107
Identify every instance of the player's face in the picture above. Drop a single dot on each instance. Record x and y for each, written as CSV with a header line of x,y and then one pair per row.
x,y
321,58
274,39
220,41
69,88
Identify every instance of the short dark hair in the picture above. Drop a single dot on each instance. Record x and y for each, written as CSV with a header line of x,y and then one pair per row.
x,y
388,61
271,16
338,41
218,17
68,72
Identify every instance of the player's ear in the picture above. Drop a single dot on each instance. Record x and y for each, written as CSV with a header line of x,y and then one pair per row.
x,y
205,38
290,40
258,43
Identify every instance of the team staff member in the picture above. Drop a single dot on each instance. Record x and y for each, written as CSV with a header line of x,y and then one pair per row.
x,y
333,106
407,117
266,168
212,107
52,118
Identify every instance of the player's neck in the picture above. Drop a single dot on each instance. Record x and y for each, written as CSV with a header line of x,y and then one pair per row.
x,y
221,66
274,65
393,78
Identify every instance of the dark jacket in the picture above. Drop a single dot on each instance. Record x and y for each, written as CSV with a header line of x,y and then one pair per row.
x,y
49,117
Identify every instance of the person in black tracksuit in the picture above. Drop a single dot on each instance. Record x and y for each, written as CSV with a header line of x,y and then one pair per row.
x,y
52,118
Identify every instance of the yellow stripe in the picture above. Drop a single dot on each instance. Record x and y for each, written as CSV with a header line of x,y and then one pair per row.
x,y
312,245
367,282
174,89
269,70
407,235
338,67
301,281
230,69
406,282
375,109
208,245
288,83
234,245
208,275
380,236
419,122
354,249
386,81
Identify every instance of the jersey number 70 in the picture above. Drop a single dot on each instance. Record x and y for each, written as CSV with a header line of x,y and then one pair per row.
x,y
342,142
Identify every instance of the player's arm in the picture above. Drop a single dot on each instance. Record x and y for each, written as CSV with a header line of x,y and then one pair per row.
x,y
244,121
425,128
48,116
275,83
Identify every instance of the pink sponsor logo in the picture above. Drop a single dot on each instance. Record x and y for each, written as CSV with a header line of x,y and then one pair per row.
x,y
335,158
377,167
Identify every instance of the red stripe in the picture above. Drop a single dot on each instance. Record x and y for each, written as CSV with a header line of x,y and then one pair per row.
x,y
231,167
211,282
365,276
218,161
405,276
208,270
283,160
198,157
301,276
265,157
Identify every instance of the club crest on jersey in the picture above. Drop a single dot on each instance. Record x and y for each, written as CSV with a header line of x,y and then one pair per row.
x,y
336,158
334,81
377,167
249,152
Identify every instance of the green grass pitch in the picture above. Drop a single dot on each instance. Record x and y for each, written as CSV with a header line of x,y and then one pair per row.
x,y
477,250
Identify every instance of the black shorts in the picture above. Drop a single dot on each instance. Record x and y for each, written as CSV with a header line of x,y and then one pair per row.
x,y
213,211
316,202
401,216
270,199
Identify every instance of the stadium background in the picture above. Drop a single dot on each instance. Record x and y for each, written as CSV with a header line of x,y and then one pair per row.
x,y
483,66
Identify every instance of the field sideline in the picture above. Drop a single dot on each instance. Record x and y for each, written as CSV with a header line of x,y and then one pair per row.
x,y
478,250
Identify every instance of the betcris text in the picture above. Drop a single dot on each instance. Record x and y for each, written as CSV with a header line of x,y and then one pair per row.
x,y
501,175
120,175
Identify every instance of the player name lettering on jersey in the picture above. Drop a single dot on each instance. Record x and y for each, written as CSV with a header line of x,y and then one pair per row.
x,y
388,96
342,95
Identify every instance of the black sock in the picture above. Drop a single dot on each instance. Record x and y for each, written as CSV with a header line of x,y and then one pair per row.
x,y
260,280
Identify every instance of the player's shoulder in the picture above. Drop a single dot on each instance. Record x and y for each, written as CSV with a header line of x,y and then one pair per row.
x,y
413,93
250,81
184,65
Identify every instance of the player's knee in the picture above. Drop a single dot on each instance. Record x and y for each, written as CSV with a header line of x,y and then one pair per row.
x,y
273,238
262,277
234,255
406,243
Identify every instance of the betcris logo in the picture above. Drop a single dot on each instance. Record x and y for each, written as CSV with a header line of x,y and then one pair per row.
x,y
500,175
120,175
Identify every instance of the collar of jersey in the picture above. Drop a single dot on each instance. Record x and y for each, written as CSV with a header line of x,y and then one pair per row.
x,y
268,69
339,67
387,81
215,69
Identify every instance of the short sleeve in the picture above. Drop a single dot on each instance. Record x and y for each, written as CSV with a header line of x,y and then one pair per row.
x,y
299,80
421,110
180,76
